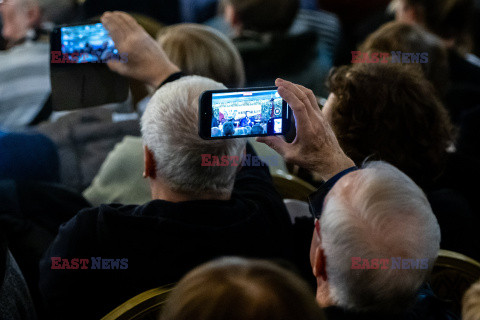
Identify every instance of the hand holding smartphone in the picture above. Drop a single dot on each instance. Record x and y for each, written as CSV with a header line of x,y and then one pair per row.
x,y
79,75
240,113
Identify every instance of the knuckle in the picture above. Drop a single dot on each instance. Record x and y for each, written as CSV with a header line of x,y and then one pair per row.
x,y
309,92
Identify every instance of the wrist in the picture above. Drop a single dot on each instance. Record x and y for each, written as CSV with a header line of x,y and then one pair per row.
x,y
162,74
328,171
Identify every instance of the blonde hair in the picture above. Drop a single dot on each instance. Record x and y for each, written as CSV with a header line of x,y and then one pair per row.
x,y
203,51
241,289
471,303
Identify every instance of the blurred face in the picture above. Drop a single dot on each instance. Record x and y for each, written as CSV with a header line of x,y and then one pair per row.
x,y
18,17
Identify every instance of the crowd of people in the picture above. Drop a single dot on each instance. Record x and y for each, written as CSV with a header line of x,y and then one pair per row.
x,y
101,204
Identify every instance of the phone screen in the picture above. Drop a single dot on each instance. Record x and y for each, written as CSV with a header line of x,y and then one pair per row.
x,y
87,43
247,113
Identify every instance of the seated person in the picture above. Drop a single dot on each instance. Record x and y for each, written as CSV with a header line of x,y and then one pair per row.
x,y
407,38
375,237
228,129
203,51
222,290
216,132
24,67
257,129
196,50
390,112
261,35
451,20
197,212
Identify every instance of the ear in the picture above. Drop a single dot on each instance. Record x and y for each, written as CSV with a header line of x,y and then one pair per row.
x,y
150,164
319,265
317,254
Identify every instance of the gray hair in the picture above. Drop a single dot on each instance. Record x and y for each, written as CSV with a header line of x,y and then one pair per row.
x,y
377,213
170,131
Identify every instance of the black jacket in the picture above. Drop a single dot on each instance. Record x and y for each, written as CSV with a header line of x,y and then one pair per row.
x,y
159,241
427,307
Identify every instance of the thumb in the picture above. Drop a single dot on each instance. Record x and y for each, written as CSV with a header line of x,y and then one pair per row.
x,y
274,142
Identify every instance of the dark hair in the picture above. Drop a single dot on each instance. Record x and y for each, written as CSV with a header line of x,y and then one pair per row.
x,y
228,129
265,15
397,36
241,289
391,112
448,19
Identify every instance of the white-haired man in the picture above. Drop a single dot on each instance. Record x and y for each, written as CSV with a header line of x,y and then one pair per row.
x,y
198,213
375,238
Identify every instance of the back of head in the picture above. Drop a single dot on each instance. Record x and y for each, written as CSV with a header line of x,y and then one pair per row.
x,y
471,303
449,19
407,38
240,289
170,131
204,51
274,16
391,112
378,213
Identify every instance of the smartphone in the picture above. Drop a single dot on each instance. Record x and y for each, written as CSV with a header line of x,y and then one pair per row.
x,y
79,77
239,113
84,43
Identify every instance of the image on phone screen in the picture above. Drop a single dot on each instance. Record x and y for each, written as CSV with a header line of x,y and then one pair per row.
x,y
246,113
87,43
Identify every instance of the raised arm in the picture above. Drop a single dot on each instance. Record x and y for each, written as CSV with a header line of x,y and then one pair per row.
x,y
315,147
147,62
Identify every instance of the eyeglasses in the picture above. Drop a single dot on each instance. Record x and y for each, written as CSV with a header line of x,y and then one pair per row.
x,y
315,201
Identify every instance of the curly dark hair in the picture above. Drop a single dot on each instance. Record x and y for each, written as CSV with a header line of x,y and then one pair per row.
x,y
391,112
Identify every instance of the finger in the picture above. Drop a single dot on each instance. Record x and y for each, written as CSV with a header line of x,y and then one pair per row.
x,y
311,97
297,90
276,143
113,25
299,109
128,22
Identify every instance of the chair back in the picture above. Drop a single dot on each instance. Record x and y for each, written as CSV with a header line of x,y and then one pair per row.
x,y
297,209
144,306
292,187
453,273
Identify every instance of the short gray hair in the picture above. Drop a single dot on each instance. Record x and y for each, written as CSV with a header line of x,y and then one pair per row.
x,y
170,131
377,213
